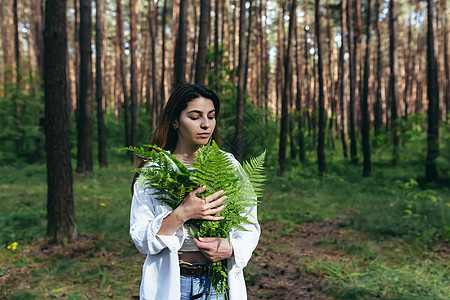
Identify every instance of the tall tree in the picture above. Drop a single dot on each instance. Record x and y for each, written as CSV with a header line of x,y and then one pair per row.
x,y
162,93
298,102
4,42
84,107
279,59
341,80
133,76
205,24
216,44
352,78
286,87
152,24
378,107
240,101
123,73
60,207
247,47
16,44
431,173
99,92
322,123
307,80
393,77
180,46
446,59
365,124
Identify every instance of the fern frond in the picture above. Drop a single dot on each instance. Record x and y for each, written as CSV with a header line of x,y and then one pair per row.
x,y
255,173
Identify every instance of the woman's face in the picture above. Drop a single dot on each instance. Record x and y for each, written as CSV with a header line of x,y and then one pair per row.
x,y
196,123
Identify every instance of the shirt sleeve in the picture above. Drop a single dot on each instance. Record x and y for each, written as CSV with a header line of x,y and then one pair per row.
x,y
244,242
146,216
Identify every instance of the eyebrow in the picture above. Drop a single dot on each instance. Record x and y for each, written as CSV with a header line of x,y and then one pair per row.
x,y
200,112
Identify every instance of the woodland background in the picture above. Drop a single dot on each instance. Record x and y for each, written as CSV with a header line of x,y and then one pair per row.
x,y
351,99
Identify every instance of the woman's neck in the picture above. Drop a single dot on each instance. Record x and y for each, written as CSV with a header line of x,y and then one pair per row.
x,y
185,155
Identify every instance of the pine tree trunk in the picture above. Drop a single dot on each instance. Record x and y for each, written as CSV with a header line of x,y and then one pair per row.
x,y
16,46
393,90
76,45
118,91
286,87
431,173
341,79
123,74
357,49
247,47
289,92
365,124
200,66
306,73
196,30
162,92
240,101
330,91
60,206
378,106
279,65
99,92
153,23
322,123
180,47
133,76
446,60
216,46
408,78
84,107
233,44
352,78
298,102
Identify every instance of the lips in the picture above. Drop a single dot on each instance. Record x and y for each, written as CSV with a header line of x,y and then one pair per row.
x,y
204,134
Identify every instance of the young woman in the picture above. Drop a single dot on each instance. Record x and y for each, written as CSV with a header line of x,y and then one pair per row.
x,y
176,263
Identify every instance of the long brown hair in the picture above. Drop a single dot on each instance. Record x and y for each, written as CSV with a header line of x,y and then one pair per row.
x,y
164,135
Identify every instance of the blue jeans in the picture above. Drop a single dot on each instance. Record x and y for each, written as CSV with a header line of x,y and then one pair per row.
x,y
198,288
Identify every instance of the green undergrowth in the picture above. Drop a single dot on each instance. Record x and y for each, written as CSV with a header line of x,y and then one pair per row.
x,y
402,225
387,270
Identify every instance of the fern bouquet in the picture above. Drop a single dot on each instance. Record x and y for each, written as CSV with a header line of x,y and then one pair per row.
x,y
171,181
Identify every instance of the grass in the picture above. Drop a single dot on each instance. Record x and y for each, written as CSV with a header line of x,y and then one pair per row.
x,y
395,227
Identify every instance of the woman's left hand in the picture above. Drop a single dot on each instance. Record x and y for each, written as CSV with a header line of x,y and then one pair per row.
x,y
214,249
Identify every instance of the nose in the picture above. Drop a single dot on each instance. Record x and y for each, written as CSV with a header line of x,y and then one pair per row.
x,y
206,123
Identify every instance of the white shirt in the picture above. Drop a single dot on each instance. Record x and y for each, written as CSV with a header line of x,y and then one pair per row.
x,y
161,271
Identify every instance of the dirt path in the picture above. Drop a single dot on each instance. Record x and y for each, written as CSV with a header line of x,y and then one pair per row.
x,y
277,271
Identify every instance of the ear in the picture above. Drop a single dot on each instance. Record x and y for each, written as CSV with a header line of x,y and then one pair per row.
x,y
175,124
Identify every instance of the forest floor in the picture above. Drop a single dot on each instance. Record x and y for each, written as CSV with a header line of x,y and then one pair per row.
x,y
277,270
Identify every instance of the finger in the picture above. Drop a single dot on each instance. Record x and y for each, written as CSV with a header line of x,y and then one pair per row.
x,y
207,239
212,218
213,196
201,245
217,210
217,202
199,190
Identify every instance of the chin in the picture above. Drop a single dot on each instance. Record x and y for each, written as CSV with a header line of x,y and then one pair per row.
x,y
203,142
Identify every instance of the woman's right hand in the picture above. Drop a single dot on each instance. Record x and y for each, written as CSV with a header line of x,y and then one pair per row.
x,y
194,207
